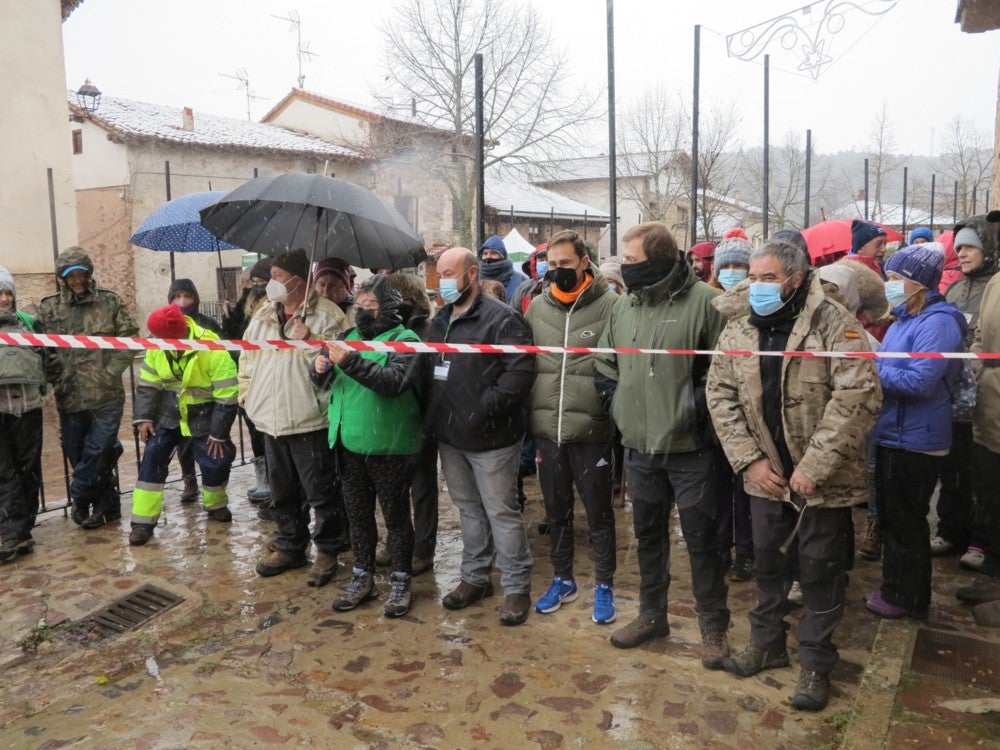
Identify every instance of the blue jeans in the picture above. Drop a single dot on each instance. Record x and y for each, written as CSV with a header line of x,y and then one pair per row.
x,y
90,441
483,486
694,479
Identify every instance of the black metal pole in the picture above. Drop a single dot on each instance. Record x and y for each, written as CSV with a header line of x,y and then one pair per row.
x,y
767,140
954,207
866,190
987,203
52,222
906,171
693,239
480,156
612,140
933,190
166,175
974,201
552,220
809,137
584,225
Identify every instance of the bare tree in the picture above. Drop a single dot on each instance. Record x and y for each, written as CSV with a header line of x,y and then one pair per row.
x,y
719,157
655,168
430,46
967,159
787,180
883,160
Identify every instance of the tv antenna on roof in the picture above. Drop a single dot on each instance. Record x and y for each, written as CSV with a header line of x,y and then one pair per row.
x,y
241,76
301,51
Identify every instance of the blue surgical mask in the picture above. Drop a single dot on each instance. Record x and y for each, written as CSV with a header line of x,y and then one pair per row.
x,y
895,292
449,290
541,267
730,277
765,297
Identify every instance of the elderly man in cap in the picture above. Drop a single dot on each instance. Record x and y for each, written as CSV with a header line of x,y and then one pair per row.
x,y
495,265
334,280
279,396
868,244
88,385
189,396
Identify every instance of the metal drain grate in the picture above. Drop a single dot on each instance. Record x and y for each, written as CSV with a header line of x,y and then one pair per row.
x,y
957,657
125,614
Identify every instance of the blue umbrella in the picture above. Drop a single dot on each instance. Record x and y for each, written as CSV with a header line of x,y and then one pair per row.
x,y
176,226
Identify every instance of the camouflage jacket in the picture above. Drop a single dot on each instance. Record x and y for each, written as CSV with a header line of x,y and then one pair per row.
x,y
88,378
828,404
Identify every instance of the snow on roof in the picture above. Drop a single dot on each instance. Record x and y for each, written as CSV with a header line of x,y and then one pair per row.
x,y
891,214
502,193
597,167
128,119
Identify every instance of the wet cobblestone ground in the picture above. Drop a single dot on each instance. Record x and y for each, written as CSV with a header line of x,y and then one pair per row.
x,y
246,661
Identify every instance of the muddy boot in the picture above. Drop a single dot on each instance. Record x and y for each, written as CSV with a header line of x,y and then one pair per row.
x,y
261,491
871,544
190,492
265,512
361,589
140,534
398,603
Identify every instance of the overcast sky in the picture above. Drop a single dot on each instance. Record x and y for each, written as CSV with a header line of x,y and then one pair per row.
x,y
914,57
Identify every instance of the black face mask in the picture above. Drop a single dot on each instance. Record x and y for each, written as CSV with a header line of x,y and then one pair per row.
x,y
258,290
565,279
638,276
367,323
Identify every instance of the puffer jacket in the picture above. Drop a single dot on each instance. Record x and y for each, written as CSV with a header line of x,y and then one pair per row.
x,y
565,407
986,418
828,404
275,387
658,403
917,413
87,379
967,293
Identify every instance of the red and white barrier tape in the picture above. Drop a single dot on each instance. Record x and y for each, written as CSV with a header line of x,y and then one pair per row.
x,y
424,347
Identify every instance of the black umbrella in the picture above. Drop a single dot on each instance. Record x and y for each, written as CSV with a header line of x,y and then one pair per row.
x,y
326,216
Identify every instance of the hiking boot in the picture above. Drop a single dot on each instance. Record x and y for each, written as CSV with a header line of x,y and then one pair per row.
x,y
742,569
941,546
983,589
795,594
8,549
97,520
560,591
465,594
973,559
871,544
277,561
265,512
360,589
190,491
323,569
640,630
79,514
382,558
140,534
812,691
987,615
514,609
421,565
261,490
25,546
222,515
604,605
398,603
714,648
753,660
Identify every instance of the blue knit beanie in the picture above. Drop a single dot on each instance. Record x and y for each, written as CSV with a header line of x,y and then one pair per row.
x,y
863,232
919,232
920,263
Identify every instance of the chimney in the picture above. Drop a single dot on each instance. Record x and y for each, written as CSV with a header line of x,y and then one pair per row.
x,y
188,120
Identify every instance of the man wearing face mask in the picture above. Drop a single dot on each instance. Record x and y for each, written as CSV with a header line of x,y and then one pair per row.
x,y
795,428
476,409
494,264
573,431
658,404
537,266
279,396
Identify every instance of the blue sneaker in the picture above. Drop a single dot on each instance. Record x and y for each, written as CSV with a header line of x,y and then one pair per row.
x,y
560,591
604,604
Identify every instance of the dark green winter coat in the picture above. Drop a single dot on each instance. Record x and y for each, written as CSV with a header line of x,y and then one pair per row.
x,y
565,407
967,293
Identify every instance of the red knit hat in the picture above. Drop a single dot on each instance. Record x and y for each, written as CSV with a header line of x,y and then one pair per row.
x,y
168,322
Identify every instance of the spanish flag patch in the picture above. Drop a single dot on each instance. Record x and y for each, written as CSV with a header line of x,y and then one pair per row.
x,y
852,335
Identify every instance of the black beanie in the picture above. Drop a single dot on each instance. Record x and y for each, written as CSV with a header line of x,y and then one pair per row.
x,y
294,262
261,269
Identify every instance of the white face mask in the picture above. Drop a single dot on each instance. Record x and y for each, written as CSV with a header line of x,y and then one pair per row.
x,y
276,291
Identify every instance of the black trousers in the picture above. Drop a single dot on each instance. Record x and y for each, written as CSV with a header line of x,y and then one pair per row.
x,y
303,475
816,556
424,497
20,474
956,505
987,478
906,482
588,466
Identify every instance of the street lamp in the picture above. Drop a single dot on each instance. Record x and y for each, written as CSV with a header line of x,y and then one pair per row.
x,y
89,97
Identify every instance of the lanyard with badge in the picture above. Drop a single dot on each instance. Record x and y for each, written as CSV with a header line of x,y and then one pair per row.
x,y
443,365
